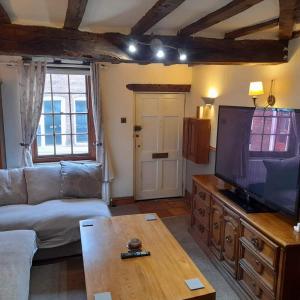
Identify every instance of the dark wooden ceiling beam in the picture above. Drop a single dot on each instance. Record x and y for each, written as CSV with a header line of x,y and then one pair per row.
x,y
206,50
74,14
160,9
56,42
163,88
287,18
112,47
252,29
231,9
4,18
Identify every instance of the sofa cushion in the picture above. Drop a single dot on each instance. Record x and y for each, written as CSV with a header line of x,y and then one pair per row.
x,y
43,183
56,222
81,180
12,187
16,253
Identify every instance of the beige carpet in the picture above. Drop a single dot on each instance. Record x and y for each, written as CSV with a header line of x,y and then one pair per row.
x,y
65,280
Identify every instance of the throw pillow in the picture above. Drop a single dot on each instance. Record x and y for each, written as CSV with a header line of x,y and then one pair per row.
x,y
81,180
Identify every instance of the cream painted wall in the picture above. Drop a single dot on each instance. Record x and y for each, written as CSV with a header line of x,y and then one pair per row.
x,y
119,102
232,83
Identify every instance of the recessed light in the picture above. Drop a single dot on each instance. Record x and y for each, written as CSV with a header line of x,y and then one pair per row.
x,y
132,48
183,57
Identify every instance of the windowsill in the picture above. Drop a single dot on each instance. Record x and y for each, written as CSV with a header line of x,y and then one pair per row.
x,y
57,162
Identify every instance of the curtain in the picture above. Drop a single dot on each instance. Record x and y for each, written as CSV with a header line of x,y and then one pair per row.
x,y
102,147
31,89
296,127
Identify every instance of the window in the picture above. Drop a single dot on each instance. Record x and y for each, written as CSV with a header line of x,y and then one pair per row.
x,y
270,131
66,129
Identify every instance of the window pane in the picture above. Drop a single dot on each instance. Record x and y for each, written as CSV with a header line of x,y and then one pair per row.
x,y
60,83
61,103
258,112
79,103
47,106
80,144
65,122
266,143
79,123
43,147
283,126
270,125
63,145
281,143
48,124
77,84
257,125
255,142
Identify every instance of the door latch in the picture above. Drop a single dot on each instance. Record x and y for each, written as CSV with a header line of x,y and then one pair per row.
x,y
137,128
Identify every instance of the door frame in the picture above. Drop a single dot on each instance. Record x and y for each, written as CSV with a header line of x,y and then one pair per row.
x,y
134,143
2,135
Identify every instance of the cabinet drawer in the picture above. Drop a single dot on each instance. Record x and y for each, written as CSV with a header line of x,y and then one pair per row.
x,y
201,212
261,245
259,267
252,285
201,196
198,231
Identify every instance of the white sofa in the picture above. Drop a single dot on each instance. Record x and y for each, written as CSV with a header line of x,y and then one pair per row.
x,y
16,253
32,199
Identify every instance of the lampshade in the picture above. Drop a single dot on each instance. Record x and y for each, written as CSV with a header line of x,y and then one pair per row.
x,y
256,88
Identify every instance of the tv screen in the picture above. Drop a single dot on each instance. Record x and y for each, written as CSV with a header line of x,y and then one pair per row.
x,y
258,151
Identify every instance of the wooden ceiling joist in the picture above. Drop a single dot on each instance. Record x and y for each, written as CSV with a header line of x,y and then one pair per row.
x,y
75,12
4,18
160,9
287,18
231,9
112,47
252,29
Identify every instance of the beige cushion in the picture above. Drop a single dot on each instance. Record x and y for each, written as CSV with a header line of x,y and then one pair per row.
x,y
81,180
12,187
43,183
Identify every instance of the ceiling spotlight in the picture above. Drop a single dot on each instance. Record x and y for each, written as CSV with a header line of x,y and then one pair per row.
x,y
132,47
182,55
160,53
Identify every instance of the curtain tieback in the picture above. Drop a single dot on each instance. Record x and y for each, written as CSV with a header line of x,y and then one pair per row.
x,y
24,145
98,144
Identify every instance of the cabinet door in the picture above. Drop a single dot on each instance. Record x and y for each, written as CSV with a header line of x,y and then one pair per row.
x,y
185,141
216,228
193,140
230,241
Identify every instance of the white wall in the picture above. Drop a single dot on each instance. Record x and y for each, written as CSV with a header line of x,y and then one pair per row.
x,y
11,115
232,84
119,102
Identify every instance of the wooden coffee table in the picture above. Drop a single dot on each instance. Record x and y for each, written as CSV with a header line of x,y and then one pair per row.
x,y
159,276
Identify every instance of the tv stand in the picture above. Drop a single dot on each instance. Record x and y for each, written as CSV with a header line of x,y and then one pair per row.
x,y
243,199
258,253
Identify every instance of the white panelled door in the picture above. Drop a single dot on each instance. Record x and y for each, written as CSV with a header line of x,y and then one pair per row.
x,y
158,142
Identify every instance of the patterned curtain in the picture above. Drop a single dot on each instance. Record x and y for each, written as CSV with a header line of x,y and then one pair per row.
x,y
102,146
31,89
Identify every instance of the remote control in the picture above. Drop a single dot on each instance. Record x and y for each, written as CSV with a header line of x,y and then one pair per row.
x,y
134,254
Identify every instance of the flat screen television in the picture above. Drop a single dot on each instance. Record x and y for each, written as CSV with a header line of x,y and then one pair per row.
x,y
258,152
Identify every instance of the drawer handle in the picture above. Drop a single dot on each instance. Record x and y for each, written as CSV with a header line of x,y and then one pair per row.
x,y
216,225
201,212
201,228
228,239
259,266
256,243
202,195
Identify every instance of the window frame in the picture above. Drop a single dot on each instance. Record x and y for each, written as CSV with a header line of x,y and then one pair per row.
x,y
270,154
91,155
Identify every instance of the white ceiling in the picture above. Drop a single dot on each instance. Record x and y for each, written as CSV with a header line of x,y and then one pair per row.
x,y
121,15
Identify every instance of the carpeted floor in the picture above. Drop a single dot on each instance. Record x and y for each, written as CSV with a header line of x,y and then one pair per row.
x,y
65,280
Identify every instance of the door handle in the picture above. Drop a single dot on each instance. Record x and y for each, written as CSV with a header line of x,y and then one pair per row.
x,y
137,128
160,155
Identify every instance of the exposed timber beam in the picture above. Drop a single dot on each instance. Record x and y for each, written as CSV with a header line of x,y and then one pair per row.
x,y
75,12
206,50
287,18
231,9
56,42
160,9
252,29
4,18
112,47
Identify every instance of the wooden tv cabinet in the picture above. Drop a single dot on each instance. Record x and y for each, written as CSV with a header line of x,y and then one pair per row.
x,y
258,253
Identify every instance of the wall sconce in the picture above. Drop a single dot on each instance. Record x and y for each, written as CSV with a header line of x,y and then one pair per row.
x,y
208,101
256,89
